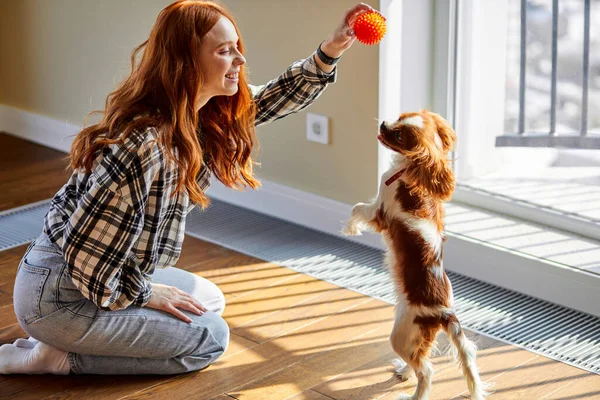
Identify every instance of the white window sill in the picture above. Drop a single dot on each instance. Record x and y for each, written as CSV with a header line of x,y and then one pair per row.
x,y
533,259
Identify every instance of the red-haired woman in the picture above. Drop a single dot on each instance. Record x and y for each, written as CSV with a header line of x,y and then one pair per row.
x,y
97,290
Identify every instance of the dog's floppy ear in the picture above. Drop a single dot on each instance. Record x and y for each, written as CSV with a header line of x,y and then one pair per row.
x,y
445,132
430,171
430,175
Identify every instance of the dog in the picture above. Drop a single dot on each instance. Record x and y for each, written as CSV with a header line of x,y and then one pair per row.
x,y
408,212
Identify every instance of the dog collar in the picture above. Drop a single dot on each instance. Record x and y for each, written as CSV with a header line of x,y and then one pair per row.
x,y
394,177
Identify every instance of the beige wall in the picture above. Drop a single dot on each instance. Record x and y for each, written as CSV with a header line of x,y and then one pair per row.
x,y
60,58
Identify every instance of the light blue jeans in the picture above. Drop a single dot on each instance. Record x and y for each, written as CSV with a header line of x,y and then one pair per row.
x,y
136,340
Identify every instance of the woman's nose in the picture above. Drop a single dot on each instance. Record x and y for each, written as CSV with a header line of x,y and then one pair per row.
x,y
240,59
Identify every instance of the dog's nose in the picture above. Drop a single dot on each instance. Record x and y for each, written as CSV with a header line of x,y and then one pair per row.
x,y
383,126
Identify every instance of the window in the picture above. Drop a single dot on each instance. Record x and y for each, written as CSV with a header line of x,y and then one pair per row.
x,y
460,67
528,102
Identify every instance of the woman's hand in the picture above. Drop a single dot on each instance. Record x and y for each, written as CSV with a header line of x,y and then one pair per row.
x,y
343,36
171,299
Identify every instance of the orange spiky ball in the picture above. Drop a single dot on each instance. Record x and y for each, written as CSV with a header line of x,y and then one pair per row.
x,y
370,28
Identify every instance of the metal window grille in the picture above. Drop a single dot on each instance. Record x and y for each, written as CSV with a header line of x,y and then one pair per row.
x,y
577,140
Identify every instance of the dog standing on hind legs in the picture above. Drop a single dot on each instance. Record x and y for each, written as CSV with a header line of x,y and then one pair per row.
x,y
408,212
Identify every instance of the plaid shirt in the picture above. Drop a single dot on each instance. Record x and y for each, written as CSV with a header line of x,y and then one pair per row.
x,y
118,222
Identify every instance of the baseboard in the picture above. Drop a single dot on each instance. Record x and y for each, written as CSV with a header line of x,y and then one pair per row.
x,y
37,128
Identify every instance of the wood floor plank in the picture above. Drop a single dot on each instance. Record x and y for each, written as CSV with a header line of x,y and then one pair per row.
x,y
258,280
587,387
492,356
235,270
29,172
490,361
10,333
377,379
236,274
266,358
9,262
368,381
7,316
260,304
199,255
310,395
6,297
537,378
325,364
312,309
99,387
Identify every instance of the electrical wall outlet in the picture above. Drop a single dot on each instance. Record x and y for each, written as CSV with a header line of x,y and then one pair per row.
x,y
317,128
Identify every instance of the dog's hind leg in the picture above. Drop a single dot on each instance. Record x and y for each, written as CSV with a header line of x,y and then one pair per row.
x,y
404,338
466,355
424,371
413,343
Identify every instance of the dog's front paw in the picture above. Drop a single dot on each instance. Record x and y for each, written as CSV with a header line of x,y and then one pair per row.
x,y
402,369
351,229
358,209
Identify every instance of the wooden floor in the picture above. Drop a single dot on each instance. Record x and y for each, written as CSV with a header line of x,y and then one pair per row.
x,y
293,336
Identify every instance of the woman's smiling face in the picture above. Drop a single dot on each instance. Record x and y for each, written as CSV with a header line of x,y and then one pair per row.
x,y
220,62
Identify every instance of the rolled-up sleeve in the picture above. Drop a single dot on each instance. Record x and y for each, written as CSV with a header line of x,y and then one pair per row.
x,y
298,87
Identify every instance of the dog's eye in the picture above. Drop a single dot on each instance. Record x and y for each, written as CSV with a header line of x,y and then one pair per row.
x,y
399,137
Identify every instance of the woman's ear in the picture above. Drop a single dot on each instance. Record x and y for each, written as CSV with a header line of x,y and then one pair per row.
x,y
445,132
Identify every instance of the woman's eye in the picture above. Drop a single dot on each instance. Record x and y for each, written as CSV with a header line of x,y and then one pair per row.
x,y
228,51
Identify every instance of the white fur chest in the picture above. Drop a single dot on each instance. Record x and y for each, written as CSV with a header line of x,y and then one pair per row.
x,y
393,207
388,191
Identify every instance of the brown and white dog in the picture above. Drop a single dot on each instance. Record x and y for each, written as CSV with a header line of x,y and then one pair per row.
x,y
408,212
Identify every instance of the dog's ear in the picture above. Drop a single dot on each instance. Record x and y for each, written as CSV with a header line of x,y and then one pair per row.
x,y
430,171
444,131
430,175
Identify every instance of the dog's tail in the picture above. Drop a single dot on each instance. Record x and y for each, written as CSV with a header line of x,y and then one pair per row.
x,y
465,353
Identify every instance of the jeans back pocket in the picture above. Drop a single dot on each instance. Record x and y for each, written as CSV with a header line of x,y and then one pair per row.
x,y
27,294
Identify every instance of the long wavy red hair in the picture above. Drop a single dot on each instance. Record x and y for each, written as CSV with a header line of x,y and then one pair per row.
x,y
162,91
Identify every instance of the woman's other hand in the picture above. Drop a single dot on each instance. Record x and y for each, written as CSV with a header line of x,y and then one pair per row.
x,y
171,299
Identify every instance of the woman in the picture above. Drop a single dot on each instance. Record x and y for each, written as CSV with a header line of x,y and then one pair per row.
x,y
96,291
